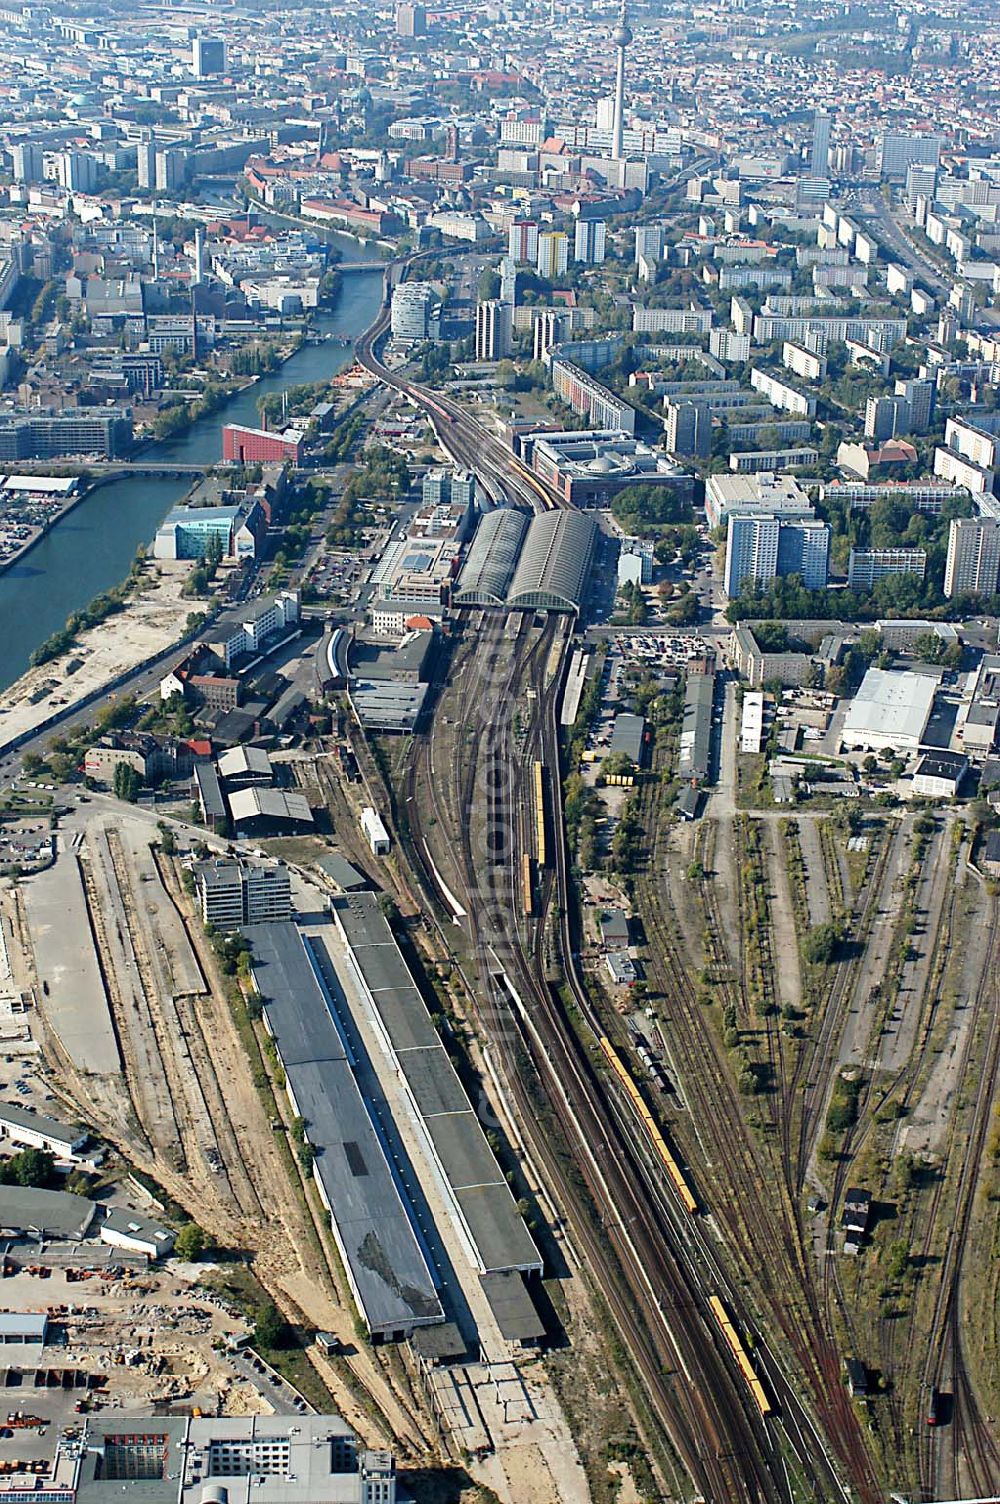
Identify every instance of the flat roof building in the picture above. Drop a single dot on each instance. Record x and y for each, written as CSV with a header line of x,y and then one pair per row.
x,y
34,1130
384,1263
477,1193
889,712
591,468
232,893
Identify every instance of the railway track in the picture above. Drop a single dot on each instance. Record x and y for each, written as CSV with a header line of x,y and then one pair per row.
x,y
752,1219
712,1437
972,1448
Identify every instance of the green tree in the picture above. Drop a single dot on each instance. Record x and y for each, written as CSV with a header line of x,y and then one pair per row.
x,y
270,1328
191,1242
126,783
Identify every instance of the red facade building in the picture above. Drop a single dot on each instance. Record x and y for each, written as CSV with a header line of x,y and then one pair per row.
x,y
255,446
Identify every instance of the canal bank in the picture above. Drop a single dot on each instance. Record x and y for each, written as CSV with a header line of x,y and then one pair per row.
x,y
92,547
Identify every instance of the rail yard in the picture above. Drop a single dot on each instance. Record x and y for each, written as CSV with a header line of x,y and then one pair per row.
x,y
707,1098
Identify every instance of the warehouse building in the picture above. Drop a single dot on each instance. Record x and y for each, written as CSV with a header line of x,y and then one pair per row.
x,y
940,775
388,1272
477,1192
32,1130
694,761
270,812
889,712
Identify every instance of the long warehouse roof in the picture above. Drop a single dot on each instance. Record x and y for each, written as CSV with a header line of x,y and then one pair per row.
x,y
477,1188
487,571
551,574
385,1264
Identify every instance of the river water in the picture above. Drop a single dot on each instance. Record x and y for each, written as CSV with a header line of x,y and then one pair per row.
x,y
92,548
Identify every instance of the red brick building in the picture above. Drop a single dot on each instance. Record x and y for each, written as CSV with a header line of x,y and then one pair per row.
x,y
256,446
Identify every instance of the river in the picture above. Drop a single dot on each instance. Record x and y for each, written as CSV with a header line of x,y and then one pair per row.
x,y
92,548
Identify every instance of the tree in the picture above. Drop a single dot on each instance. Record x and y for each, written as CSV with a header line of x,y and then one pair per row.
x,y
270,1329
191,1242
820,946
126,782
31,1167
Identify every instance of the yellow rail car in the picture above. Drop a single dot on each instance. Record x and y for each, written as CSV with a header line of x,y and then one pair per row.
x,y
673,1169
739,1352
527,887
539,786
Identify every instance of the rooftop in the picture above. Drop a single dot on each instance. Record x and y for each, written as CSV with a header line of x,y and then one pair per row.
x,y
386,1267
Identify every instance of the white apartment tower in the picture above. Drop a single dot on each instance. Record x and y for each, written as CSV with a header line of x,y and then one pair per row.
x,y
973,565
493,329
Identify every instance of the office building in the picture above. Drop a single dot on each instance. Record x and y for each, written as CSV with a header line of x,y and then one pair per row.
x,y
454,488
416,312
761,547
819,153
411,20
522,241
208,56
28,164
765,494
257,446
232,893
553,254
179,1459
197,533
589,468
688,428
870,564
493,330
106,432
589,241
898,150
973,563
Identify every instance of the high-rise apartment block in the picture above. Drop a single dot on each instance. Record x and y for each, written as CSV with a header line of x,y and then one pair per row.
x,y
688,428
973,564
589,241
760,547
28,162
493,329
522,240
649,242
411,20
553,254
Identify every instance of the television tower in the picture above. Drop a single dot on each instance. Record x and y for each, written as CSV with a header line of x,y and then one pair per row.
x,y
621,37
